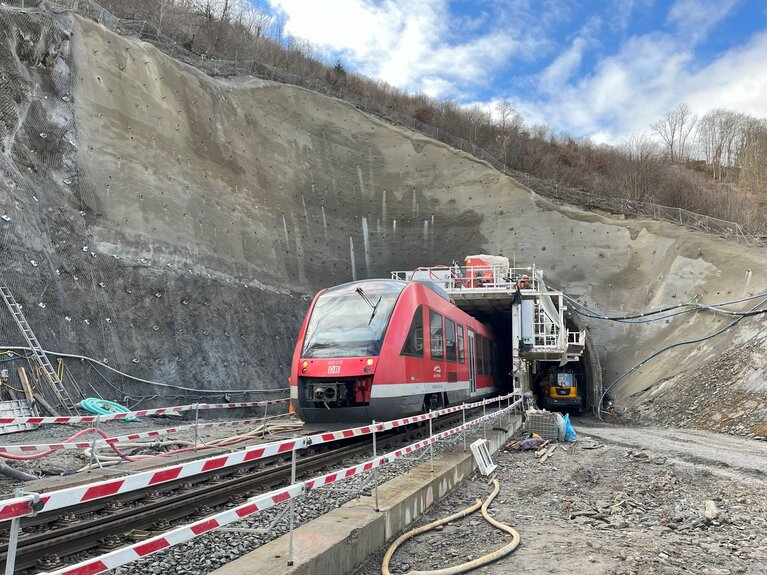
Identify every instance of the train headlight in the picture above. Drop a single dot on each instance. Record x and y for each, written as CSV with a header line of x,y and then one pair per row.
x,y
370,362
304,364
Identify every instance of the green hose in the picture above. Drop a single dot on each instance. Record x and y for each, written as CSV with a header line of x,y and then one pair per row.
x,y
105,407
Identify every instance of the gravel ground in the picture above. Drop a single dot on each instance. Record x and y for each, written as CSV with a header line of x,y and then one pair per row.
x,y
211,551
635,505
65,462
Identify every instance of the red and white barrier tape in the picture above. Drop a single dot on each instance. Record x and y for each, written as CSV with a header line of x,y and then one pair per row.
x,y
141,413
183,534
53,500
179,535
20,506
32,448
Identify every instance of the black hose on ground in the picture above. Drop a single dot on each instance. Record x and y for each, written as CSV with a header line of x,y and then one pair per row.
x,y
9,471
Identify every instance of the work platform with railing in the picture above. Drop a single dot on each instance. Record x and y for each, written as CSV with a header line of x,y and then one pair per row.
x,y
515,294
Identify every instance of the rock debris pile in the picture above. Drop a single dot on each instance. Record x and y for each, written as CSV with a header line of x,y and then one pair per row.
x,y
609,509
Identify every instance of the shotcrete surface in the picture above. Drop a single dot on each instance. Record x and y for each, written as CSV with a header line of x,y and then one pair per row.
x,y
210,208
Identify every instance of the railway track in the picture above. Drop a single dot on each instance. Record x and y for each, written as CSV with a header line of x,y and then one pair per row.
x,y
48,539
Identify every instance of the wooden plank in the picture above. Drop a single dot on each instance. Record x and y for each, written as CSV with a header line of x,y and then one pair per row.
x,y
548,454
25,384
46,406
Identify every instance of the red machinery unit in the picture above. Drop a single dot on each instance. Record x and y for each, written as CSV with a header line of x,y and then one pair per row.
x,y
384,349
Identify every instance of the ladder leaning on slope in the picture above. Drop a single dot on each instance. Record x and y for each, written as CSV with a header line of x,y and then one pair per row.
x,y
50,374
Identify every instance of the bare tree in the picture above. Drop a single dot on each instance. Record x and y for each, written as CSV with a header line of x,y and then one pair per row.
x,y
505,111
674,129
687,122
720,133
639,168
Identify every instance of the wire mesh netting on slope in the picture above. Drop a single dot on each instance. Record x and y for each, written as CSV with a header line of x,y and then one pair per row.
x,y
148,33
165,321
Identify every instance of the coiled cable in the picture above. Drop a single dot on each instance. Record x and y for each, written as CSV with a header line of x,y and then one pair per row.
x,y
469,565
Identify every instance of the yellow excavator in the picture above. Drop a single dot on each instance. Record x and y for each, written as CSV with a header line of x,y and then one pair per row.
x,y
561,391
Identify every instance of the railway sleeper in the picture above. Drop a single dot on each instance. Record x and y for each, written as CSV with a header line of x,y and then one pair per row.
x,y
109,543
137,535
49,562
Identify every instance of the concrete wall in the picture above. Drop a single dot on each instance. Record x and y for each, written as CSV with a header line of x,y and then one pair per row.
x,y
234,198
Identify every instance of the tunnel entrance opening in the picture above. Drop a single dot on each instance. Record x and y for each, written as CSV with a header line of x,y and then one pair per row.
x,y
500,323
586,372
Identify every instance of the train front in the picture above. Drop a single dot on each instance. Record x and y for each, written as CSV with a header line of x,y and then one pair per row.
x,y
338,349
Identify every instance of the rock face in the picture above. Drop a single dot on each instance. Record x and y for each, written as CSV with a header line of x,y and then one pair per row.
x,y
181,221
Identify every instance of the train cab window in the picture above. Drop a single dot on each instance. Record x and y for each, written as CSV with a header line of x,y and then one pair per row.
x,y
436,342
479,354
414,342
351,320
461,351
451,353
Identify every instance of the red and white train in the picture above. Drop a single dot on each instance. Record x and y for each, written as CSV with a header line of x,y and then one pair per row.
x,y
384,349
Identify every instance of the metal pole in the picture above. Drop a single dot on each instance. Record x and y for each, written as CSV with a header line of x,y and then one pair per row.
x,y
375,467
463,412
484,421
263,423
431,445
13,540
292,503
196,423
94,457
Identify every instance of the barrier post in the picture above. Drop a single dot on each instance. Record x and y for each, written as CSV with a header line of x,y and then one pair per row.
x,y
375,468
463,433
484,421
263,423
292,502
94,456
431,445
13,540
196,424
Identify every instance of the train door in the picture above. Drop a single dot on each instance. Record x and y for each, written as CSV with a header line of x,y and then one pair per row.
x,y
472,364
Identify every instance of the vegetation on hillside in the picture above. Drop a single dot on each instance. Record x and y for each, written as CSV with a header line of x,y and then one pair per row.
x,y
714,165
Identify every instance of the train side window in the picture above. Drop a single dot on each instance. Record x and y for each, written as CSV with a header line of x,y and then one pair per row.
x,y
492,358
461,351
414,342
486,343
480,355
450,344
436,340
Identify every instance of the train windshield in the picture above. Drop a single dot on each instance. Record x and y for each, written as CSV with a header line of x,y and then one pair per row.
x,y
351,320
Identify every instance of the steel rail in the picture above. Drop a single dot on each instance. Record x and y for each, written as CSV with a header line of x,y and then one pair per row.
x,y
179,499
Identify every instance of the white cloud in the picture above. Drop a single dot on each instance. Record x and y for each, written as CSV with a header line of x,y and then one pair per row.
x,y
421,46
695,18
563,67
649,75
405,43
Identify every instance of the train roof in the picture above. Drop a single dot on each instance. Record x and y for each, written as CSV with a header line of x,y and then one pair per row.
x,y
389,285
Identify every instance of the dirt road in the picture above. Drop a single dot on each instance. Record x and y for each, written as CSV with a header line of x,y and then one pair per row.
x,y
621,501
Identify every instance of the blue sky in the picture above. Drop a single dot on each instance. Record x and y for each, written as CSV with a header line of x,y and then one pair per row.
x,y
594,68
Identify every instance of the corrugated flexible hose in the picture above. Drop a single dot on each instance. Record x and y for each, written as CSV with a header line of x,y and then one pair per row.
x,y
463,567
